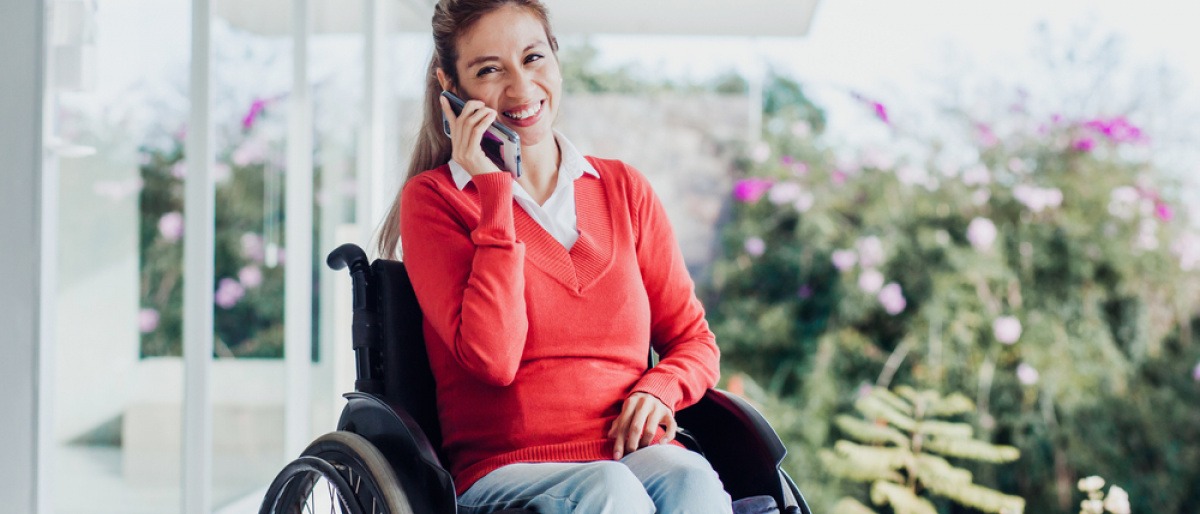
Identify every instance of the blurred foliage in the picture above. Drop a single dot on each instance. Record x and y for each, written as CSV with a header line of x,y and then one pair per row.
x,y
249,254
901,447
1045,267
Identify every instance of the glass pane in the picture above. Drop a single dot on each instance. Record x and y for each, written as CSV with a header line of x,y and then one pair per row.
x,y
118,93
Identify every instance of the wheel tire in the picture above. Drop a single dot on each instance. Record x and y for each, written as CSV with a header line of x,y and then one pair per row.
x,y
356,471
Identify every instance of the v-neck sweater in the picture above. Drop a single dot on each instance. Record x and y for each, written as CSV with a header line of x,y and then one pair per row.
x,y
534,348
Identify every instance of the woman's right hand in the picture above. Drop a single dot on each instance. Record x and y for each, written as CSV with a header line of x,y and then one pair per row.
x,y
466,135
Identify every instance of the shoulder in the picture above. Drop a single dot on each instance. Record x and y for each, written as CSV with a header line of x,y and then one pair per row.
x,y
621,176
435,181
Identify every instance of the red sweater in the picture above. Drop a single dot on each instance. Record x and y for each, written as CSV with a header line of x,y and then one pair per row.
x,y
534,348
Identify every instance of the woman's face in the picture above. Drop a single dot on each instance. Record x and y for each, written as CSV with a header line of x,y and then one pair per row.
x,y
505,61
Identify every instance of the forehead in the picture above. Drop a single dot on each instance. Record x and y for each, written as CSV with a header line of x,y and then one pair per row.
x,y
507,30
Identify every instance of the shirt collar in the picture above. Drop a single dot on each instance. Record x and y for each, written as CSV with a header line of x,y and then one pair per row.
x,y
572,166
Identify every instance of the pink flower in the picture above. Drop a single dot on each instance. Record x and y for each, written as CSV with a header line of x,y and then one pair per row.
x,y
1006,329
1196,373
147,320
838,177
229,292
170,225
750,190
256,108
1027,374
179,170
981,232
1084,144
252,246
870,251
1117,130
1038,199
755,246
844,259
870,281
881,112
251,151
784,192
987,138
1163,211
250,276
760,153
892,299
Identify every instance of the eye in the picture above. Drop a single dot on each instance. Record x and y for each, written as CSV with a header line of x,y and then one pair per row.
x,y
534,57
485,70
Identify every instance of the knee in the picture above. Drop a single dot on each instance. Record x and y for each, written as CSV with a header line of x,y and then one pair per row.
x,y
609,487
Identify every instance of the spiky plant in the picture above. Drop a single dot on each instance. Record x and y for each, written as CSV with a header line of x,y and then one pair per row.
x,y
900,447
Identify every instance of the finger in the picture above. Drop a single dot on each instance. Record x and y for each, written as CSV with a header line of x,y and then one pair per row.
x,y
618,429
672,427
635,435
446,110
649,425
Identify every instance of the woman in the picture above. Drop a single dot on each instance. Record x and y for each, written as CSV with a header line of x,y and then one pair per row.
x,y
539,316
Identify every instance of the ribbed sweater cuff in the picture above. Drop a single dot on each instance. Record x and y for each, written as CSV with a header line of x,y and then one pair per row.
x,y
496,215
663,386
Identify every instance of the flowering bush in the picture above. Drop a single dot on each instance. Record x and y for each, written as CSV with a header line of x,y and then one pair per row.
x,y
1045,269
248,293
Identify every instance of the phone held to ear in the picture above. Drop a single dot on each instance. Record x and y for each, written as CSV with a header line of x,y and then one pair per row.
x,y
500,143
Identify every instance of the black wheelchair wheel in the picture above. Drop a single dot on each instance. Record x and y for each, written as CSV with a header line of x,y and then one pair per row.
x,y
340,472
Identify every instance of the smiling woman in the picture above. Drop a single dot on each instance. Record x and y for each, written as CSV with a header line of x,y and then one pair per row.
x,y
540,293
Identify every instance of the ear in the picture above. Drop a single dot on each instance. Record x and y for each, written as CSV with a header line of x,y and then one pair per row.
x,y
445,81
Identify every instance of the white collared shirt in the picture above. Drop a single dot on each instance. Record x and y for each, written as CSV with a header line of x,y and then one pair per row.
x,y
557,216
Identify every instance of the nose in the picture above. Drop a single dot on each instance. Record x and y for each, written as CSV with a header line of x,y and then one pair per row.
x,y
521,84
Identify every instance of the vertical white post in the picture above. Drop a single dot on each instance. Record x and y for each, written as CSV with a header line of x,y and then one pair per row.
x,y
298,225
28,260
371,199
198,271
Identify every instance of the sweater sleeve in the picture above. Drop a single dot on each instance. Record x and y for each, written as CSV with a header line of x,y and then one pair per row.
x,y
689,363
470,282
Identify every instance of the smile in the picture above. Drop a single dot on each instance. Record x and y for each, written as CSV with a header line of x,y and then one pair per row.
x,y
526,113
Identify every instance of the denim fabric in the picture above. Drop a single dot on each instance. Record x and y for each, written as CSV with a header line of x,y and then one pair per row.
x,y
659,478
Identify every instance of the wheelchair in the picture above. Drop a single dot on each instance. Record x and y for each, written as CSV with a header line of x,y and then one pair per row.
x,y
385,456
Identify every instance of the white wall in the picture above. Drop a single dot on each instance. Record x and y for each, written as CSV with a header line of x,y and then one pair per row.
x,y
21,49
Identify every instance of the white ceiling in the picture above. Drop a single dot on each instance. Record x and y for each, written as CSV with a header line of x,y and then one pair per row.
x,y
779,18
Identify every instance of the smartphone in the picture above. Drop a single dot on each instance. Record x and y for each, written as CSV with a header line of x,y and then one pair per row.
x,y
500,143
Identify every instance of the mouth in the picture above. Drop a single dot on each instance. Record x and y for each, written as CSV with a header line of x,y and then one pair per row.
x,y
525,115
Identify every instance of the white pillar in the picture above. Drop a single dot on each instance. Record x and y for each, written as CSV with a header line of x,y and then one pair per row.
x,y
198,272
371,200
298,224
27,262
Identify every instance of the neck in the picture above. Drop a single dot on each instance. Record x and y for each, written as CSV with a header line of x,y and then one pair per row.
x,y
539,166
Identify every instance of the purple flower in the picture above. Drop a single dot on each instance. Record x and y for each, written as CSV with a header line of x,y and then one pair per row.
x,y
1117,130
750,190
844,259
838,177
755,246
987,138
1027,374
981,232
1007,329
1196,373
805,292
229,292
892,299
147,320
250,276
170,225
256,108
1084,144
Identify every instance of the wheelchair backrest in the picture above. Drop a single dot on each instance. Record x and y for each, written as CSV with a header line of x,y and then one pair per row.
x,y
390,339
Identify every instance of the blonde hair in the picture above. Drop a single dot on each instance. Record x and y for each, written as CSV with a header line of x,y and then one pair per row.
x,y
451,18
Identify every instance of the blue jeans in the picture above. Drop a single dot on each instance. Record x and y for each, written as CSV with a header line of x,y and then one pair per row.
x,y
659,478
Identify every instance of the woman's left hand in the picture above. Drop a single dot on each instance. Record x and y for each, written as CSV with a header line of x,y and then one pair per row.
x,y
640,418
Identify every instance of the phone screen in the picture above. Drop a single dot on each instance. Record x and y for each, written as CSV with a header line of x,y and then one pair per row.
x,y
499,143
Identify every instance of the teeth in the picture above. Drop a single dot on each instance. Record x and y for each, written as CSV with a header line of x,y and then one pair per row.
x,y
520,115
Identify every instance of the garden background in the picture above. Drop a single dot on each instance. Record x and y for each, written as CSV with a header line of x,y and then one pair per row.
x,y
1011,238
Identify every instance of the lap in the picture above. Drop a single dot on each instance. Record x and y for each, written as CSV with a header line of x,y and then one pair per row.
x,y
659,477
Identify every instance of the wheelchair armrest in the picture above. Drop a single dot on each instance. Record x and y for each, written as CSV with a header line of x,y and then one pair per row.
x,y
742,447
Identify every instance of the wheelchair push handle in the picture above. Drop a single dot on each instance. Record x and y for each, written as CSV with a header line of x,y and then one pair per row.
x,y
350,255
